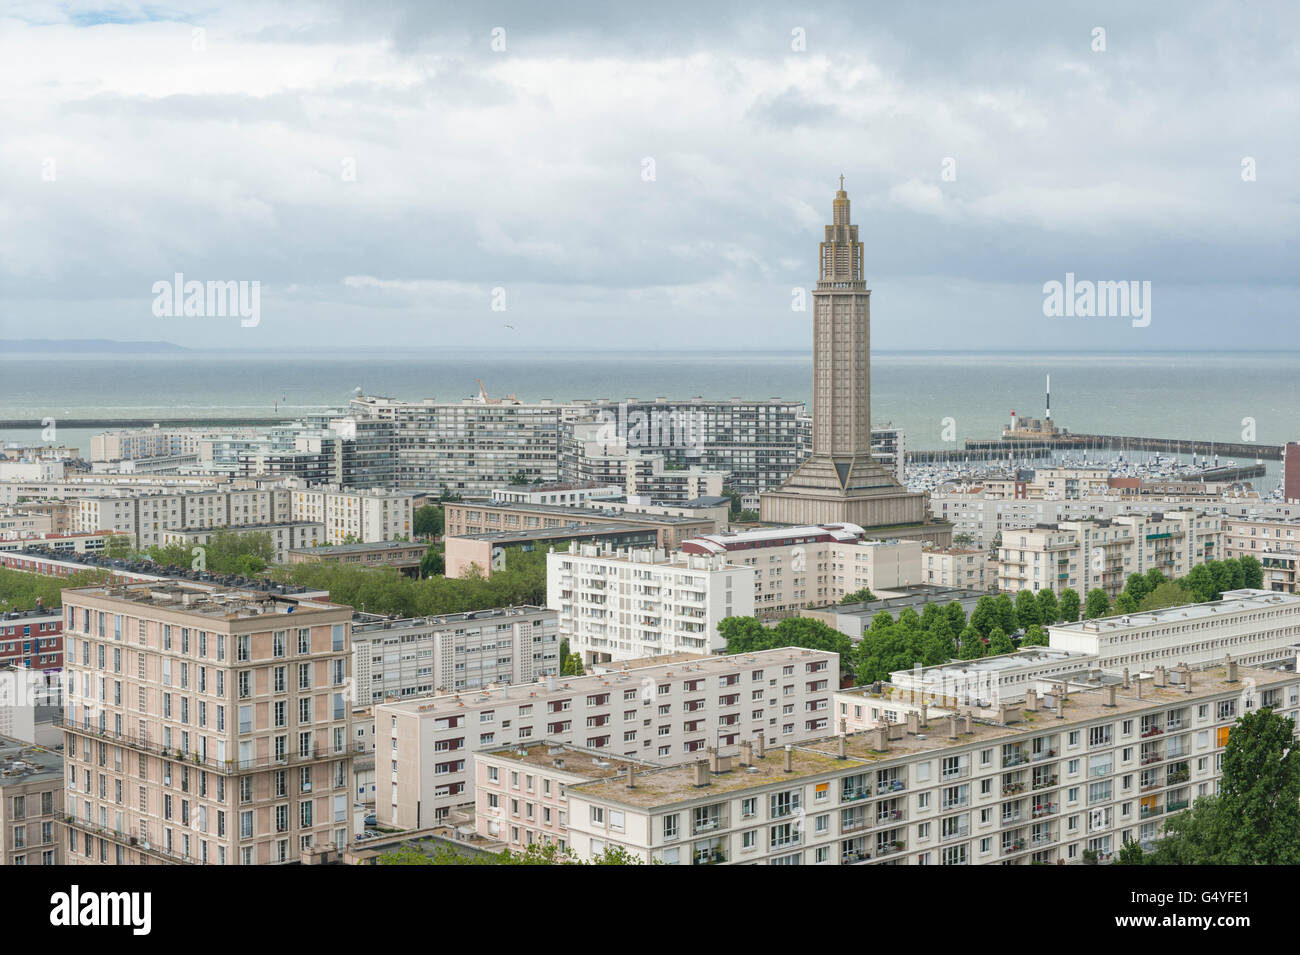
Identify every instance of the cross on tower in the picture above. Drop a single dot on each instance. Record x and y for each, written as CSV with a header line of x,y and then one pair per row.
x,y
841,182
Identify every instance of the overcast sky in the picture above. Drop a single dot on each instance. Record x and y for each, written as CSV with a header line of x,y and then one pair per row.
x,y
380,169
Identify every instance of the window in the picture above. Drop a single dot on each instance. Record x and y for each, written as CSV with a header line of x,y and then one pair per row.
x,y
670,826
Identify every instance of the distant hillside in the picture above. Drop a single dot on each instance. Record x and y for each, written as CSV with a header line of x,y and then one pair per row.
x,y
74,345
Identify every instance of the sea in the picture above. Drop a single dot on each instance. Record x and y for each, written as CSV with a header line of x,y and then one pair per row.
x,y
935,396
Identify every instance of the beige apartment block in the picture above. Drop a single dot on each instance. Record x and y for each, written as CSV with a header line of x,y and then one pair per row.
x,y
31,804
1067,779
672,526
1086,555
205,725
424,747
521,791
1273,541
954,567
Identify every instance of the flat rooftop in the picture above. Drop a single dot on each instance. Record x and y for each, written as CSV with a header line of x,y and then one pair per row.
x,y
377,623
676,784
577,760
558,687
963,670
915,596
577,511
327,550
556,533
214,601
1233,601
22,763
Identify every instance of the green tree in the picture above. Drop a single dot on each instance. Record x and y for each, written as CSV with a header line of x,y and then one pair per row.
x,y
1035,636
1200,582
1069,605
1155,578
427,521
999,642
972,646
1137,586
118,546
1027,609
956,616
1255,820
1252,572
1049,609
985,616
859,596
1168,594
1006,611
1097,604
433,564
1125,603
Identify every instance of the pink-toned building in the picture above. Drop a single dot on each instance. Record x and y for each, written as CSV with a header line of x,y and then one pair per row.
x,y
522,791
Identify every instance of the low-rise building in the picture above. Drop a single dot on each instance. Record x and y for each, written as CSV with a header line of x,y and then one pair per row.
x,y
284,537
32,638
31,803
954,567
486,553
476,517
521,791
1258,627
403,555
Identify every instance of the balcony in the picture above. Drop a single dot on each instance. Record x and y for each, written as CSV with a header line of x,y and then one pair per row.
x,y
1044,809
1012,847
889,815
1176,805
1014,759
1045,754
1046,782
129,839
889,848
855,795
1152,731
1010,789
1177,776
222,766
854,858
1148,811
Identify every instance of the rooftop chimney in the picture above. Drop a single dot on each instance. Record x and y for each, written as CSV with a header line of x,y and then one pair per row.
x,y
1159,674
1110,695
952,725
970,724
711,754
1187,678
844,747
925,715
631,776
1126,678
913,722
789,758
1232,668
881,743
1031,701
701,773
746,753
761,740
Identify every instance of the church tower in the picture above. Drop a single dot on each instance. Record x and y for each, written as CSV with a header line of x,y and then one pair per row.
x,y
840,482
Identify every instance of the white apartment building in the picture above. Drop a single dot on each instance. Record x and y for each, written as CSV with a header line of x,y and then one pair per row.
x,y
420,656
626,605
812,565
1066,783
1084,555
424,747
1257,627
